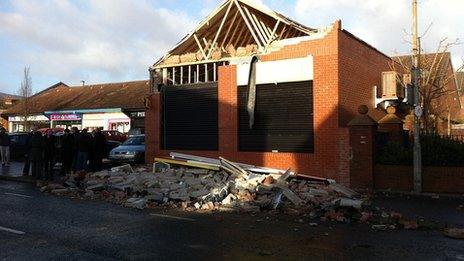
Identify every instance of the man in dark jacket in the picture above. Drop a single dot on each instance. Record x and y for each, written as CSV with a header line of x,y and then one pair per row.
x,y
99,148
75,133
67,151
4,147
36,154
84,145
49,154
27,159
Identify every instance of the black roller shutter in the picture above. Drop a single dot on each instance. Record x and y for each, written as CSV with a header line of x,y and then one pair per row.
x,y
283,118
190,117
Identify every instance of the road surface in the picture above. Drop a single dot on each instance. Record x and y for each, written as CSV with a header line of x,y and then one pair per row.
x,y
36,226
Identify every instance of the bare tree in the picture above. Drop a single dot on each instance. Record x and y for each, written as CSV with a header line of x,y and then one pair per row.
x,y
25,91
437,83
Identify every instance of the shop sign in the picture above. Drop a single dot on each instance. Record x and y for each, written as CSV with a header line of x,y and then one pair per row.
x,y
65,117
137,114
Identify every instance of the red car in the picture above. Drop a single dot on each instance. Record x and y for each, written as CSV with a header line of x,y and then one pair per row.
x,y
115,135
54,130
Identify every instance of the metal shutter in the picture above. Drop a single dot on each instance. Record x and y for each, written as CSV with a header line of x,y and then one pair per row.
x,y
283,118
190,117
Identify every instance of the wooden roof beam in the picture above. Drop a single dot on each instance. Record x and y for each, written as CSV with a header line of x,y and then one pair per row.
x,y
256,28
228,40
262,28
247,23
219,30
239,37
230,27
201,47
273,34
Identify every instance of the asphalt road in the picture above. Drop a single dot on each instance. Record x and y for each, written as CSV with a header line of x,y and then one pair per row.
x,y
35,226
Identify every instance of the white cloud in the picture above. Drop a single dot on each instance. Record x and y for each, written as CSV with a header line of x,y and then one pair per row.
x,y
96,41
383,23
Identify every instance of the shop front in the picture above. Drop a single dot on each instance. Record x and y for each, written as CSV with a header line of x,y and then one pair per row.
x,y
65,120
137,119
107,121
18,124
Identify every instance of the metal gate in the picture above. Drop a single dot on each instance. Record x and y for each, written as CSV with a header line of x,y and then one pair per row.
x,y
283,118
190,117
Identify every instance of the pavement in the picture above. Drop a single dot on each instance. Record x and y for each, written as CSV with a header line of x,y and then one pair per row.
x,y
37,226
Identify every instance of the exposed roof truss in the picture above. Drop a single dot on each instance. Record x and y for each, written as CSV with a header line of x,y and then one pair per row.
x,y
232,28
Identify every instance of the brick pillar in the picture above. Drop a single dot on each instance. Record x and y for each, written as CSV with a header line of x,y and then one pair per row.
x,y
392,124
362,144
228,118
152,127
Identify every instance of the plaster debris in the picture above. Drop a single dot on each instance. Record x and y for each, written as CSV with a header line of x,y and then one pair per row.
x,y
233,187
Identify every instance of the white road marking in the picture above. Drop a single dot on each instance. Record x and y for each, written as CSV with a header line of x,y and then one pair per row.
x,y
173,217
12,231
19,195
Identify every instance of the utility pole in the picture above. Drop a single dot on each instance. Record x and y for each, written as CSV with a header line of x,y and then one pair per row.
x,y
415,72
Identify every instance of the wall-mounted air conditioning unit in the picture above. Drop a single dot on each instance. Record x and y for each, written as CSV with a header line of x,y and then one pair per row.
x,y
391,86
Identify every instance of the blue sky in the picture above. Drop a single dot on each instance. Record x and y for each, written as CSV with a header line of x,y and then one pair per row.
x,y
116,40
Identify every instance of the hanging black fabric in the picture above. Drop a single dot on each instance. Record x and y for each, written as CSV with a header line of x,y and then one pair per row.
x,y
190,117
283,118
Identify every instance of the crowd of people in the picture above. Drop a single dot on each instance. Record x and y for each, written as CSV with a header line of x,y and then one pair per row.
x,y
78,151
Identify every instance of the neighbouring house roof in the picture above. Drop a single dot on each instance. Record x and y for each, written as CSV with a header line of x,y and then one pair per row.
x,y
11,96
237,23
124,95
7,100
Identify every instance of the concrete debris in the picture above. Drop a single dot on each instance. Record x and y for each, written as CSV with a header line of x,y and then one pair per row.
x,y
123,168
233,188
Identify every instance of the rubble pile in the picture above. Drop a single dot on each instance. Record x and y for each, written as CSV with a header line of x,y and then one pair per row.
x,y
231,188
202,189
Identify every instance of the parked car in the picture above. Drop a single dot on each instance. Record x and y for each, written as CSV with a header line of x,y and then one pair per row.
x,y
130,151
54,130
115,135
18,146
136,131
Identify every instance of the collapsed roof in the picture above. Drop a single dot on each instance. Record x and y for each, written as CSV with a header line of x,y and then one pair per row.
x,y
234,24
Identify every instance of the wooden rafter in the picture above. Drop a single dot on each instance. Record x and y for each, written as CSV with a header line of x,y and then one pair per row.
x,y
201,47
230,28
266,29
247,23
274,32
260,28
233,32
219,30
255,26
239,36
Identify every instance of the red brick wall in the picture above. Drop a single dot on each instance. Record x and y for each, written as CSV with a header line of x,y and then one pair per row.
x,y
362,156
331,142
360,69
434,179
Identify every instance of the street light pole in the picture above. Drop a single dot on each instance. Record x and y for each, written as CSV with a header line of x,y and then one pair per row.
x,y
415,72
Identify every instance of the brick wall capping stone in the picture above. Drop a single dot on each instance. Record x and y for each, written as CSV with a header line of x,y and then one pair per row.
x,y
390,119
362,119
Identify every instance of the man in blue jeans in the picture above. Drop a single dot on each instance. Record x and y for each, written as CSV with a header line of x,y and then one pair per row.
x,y
84,145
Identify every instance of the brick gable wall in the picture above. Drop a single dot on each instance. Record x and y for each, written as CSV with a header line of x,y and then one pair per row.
x,y
333,68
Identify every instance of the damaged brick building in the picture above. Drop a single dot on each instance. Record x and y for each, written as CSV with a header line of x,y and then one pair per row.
x,y
253,86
